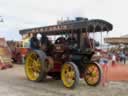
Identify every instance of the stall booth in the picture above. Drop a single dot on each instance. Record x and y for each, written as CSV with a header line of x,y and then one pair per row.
x,y
5,55
117,40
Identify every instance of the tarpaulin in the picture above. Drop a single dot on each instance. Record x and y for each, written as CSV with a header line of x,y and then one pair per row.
x,y
5,54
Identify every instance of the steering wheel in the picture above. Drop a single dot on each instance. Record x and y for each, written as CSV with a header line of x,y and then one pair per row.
x,y
60,40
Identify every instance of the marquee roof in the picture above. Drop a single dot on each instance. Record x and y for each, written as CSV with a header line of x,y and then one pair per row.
x,y
93,25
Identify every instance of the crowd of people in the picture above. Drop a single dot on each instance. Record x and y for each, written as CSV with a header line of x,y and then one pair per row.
x,y
119,56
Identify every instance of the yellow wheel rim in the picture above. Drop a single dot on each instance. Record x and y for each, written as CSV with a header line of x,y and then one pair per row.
x,y
32,66
68,75
92,74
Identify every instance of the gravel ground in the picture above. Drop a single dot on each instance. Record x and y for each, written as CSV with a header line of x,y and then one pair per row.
x,y
13,82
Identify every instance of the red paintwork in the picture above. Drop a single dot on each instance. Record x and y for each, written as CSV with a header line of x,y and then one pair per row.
x,y
117,72
57,67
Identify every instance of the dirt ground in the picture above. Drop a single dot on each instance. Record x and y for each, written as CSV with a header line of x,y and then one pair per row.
x,y
13,82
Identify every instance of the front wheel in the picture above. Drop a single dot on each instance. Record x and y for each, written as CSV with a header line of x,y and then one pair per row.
x,y
92,74
70,75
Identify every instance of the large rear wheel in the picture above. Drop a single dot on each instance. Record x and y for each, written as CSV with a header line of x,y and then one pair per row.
x,y
70,75
93,74
35,66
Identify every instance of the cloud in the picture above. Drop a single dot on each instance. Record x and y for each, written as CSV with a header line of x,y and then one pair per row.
x,y
20,14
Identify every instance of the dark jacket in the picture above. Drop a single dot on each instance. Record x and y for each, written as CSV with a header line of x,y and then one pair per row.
x,y
34,43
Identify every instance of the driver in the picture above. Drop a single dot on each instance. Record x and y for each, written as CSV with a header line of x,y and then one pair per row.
x,y
72,42
44,42
34,42
86,42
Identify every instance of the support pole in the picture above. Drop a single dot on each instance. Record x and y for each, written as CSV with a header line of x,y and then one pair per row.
x,y
80,38
93,45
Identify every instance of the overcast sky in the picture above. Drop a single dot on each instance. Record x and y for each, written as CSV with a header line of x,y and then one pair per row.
x,y
20,14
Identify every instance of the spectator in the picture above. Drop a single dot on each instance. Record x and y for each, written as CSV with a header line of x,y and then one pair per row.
x,y
122,56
